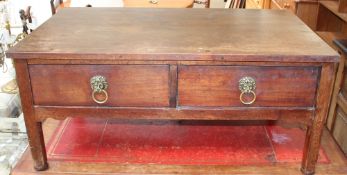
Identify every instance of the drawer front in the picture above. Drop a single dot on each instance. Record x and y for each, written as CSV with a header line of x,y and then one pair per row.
x,y
218,86
128,85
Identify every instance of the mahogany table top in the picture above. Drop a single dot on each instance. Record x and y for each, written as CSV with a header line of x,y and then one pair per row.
x,y
175,34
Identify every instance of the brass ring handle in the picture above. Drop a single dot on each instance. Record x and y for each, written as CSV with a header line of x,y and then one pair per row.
x,y
247,85
98,101
250,102
99,85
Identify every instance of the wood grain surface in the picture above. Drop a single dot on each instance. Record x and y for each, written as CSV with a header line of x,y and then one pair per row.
x,y
314,132
34,128
128,85
174,34
290,115
215,86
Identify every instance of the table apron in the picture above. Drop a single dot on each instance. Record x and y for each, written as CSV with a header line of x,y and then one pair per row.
x,y
293,114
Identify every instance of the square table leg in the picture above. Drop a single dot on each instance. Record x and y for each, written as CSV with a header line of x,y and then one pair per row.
x,y
314,132
34,127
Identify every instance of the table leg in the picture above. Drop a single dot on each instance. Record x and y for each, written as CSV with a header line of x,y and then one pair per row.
x,y
314,132
37,144
311,149
34,127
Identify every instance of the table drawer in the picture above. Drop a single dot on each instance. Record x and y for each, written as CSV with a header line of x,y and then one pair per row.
x,y
214,86
128,85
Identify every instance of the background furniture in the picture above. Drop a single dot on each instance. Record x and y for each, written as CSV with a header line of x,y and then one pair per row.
x,y
306,10
337,121
235,4
159,3
258,4
55,5
332,24
96,3
283,4
205,2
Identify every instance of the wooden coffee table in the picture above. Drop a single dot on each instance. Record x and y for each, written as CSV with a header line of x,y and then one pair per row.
x,y
153,64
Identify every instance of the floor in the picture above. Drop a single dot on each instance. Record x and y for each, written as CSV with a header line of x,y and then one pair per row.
x,y
122,147
13,139
12,146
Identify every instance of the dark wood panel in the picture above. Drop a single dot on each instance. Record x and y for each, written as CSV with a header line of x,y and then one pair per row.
x,y
307,11
219,85
173,85
342,6
333,6
327,20
128,85
173,34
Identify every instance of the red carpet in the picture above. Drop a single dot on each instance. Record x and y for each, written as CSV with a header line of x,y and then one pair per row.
x,y
176,142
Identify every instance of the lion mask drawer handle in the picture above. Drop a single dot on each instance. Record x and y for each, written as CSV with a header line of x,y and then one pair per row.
x,y
247,86
99,85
